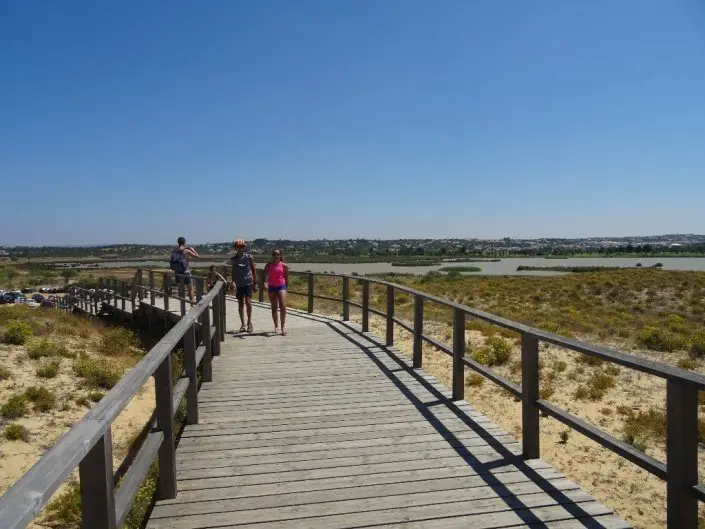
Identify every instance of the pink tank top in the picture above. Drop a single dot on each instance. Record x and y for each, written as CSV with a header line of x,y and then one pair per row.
x,y
276,274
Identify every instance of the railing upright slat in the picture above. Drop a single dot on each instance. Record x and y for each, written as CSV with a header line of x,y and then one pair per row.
x,y
96,483
310,293
346,298
166,488
681,454
390,315
458,354
207,362
365,306
529,395
418,331
192,373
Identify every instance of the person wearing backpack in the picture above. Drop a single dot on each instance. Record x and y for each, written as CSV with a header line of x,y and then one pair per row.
x,y
179,264
244,274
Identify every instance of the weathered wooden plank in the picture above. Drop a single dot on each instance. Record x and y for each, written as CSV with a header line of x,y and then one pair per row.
x,y
235,457
520,483
228,467
387,509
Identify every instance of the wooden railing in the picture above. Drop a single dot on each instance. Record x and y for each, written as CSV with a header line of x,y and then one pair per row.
x,y
88,444
681,470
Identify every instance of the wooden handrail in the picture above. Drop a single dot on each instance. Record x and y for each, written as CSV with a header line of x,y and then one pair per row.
x,y
680,472
87,445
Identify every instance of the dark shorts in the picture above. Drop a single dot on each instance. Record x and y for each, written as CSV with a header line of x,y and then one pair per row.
x,y
272,289
187,277
243,292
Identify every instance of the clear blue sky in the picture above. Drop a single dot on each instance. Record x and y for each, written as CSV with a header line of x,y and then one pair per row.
x,y
346,118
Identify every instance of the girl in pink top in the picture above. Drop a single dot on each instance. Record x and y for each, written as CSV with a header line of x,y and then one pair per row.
x,y
276,277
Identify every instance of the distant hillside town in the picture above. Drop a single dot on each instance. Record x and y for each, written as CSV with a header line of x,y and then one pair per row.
x,y
676,244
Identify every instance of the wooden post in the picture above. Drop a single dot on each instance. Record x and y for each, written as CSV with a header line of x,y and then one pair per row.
x,y
529,395
182,294
96,481
681,454
310,292
167,292
114,288
140,291
260,278
365,306
223,313
166,488
191,373
199,288
458,354
123,293
207,362
217,321
152,294
346,298
418,331
390,315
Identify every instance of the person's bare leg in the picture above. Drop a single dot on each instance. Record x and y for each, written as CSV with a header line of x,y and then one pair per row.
x,y
281,295
273,300
190,292
241,310
248,301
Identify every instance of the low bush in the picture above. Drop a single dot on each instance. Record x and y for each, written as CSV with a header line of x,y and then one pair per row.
x,y
44,347
97,372
4,373
117,342
498,351
96,396
15,407
475,380
16,432
17,332
688,363
43,399
697,344
658,339
49,369
643,425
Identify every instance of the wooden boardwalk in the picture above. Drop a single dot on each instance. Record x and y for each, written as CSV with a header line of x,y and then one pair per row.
x,y
328,428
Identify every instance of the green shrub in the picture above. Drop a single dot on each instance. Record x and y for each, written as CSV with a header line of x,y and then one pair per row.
x,y
547,391
17,332
483,355
498,351
16,432
501,350
659,339
475,380
4,373
589,360
697,344
49,369
117,342
44,347
564,435
43,399
83,401
97,372
15,407
560,366
688,363
96,396
650,424
65,510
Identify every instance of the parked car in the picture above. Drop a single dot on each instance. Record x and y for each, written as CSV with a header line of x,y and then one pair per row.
x,y
13,297
27,290
38,298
